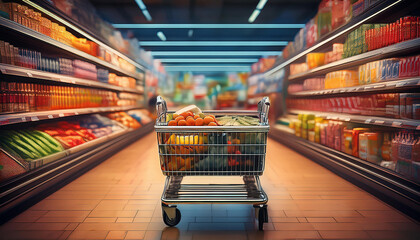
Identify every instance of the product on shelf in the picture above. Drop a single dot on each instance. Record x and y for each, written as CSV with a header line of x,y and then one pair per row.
x,y
125,119
28,144
237,121
373,36
396,150
263,65
100,126
394,105
24,97
315,60
296,68
342,78
69,134
334,55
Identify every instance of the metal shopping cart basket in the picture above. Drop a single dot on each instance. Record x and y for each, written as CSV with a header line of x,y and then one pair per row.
x,y
213,151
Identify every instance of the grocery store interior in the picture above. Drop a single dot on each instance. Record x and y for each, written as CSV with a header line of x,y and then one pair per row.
x,y
193,119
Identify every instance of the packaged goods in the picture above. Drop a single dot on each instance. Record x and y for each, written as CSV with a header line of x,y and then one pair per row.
x,y
324,17
363,146
339,79
340,13
347,141
315,60
374,142
296,68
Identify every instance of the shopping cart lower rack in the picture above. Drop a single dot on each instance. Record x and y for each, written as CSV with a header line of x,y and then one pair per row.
x,y
213,151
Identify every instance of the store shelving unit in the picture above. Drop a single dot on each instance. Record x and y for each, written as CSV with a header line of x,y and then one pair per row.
x,y
369,120
59,46
375,11
397,190
45,175
12,70
386,86
406,47
24,117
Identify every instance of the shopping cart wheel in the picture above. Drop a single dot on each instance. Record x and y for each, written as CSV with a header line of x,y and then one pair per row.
x,y
171,215
262,216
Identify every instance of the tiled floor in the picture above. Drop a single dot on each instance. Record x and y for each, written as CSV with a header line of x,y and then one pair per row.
x,y
119,199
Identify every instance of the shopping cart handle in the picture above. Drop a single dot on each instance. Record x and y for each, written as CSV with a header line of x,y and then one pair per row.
x,y
161,109
263,107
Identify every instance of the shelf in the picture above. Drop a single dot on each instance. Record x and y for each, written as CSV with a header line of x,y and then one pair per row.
x,y
393,85
11,70
370,120
27,32
398,48
15,118
384,183
379,8
61,17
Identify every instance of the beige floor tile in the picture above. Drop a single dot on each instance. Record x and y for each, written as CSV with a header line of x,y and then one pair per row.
x,y
92,234
135,234
344,235
116,235
98,220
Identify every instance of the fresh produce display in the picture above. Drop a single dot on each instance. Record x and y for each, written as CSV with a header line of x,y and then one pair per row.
x,y
191,116
69,134
141,115
125,119
28,144
238,121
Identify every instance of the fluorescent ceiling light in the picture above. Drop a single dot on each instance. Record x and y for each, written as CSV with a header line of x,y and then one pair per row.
x,y
161,36
204,66
141,4
147,15
254,15
214,43
261,4
208,69
214,53
208,60
211,26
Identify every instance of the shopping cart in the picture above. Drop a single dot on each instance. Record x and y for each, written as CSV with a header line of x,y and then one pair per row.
x,y
213,151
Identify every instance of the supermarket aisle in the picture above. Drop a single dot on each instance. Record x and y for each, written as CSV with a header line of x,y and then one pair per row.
x,y
119,199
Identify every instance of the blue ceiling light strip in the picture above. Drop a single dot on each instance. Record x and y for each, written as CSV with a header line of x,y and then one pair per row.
x,y
210,26
161,36
208,60
257,11
214,53
144,10
214,43
208,69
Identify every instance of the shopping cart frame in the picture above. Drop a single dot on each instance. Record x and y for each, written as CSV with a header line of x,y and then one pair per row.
x,y
250,192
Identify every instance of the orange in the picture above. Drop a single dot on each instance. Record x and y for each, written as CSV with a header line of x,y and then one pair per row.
x,y
189,117
213,117
212,124
190,113
196,116
208,120
179,118
190,121
184,114
182,123
172,123
175,115
199,122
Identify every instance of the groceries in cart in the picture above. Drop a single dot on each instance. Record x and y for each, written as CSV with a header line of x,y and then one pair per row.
x,y
211,151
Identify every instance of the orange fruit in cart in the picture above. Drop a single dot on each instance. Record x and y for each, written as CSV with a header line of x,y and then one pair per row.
x,y
172,123
196,116
182,123
190,121
212,124
199,122
179,118
208,120
184,114
175,115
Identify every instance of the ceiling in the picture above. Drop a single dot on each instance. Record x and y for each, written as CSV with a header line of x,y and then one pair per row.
x,y
247,43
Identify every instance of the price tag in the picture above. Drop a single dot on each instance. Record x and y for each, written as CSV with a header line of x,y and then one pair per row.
x,y
400,84
61,115
50,116
396,124
379,86
368,120
391,84
29,74
347,119
23,119
76,113
379,122
72,81
34,118
367,88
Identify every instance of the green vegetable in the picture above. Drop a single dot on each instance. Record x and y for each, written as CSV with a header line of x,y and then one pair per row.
x,y
49,138
46,142
32,144
37,141
23,153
